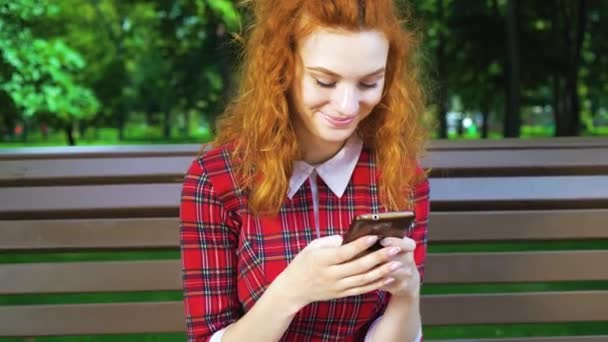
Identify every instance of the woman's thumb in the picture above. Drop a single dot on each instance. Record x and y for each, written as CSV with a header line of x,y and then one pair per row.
x,y
327,241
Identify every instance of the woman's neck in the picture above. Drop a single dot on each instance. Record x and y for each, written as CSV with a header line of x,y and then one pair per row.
x,y
315,150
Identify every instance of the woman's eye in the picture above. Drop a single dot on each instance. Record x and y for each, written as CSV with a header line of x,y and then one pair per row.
x,y
333,84
368,85
325,85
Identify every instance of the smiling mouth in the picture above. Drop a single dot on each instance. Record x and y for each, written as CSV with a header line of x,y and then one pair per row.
x,y
339,121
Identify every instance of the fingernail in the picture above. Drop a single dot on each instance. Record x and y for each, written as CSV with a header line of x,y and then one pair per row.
x,y
396,265
385,242
371,239
389,280
394,251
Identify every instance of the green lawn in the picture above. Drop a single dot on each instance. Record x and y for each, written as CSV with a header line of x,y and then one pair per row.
x,y
134,134
142,134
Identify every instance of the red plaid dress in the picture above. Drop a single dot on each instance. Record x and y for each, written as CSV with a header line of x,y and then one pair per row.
x,y
230,256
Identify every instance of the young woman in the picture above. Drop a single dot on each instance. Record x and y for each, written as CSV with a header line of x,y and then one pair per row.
x,y
326,126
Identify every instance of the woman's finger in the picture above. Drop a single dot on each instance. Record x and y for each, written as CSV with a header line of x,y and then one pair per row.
x,y
406,244
354,291
379,272
365,263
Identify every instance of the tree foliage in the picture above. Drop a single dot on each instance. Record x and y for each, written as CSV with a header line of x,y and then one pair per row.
x,y
40,75
170,63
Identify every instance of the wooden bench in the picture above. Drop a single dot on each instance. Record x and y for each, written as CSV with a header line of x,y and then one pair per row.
x,y
124,201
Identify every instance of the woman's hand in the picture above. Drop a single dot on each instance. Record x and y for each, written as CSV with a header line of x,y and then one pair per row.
x,y
407,278
325,270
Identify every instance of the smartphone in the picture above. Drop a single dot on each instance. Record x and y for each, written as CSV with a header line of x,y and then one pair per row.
x,y
392,224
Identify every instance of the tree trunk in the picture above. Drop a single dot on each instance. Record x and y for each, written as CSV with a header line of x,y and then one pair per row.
x,y
117,37
594,113
574,21
485,114
441,69
556,102
121,127
9,126
167,124
26,130
69,133
82,128
186,126
460,128
512,116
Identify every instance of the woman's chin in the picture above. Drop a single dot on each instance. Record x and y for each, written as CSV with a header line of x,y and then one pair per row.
x,y
336,135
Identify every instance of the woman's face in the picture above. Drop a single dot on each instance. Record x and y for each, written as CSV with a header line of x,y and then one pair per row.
x,y
337,84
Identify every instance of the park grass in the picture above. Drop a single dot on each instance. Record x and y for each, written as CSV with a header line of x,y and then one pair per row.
x,y
143,134
134,135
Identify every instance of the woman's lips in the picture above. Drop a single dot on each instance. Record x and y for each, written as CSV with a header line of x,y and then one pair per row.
x,y
339,122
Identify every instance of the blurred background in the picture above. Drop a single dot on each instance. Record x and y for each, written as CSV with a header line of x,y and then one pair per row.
x,y
105,72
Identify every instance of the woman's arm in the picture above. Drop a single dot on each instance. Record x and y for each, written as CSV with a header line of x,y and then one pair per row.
x,y
267,320
208,242
401,320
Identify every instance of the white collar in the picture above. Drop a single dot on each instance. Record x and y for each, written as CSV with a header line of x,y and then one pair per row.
x,y
335,172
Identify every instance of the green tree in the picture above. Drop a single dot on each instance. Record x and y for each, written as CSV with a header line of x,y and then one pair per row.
x,y
594,68
39,76
194,37
469,63
153,58
499,55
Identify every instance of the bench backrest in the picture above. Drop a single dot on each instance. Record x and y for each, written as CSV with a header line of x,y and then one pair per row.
x,y
114,210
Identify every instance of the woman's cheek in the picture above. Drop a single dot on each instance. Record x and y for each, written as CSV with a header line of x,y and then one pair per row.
x,y
312,97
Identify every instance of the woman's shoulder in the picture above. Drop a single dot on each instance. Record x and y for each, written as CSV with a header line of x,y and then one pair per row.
x,y
213,169
212,160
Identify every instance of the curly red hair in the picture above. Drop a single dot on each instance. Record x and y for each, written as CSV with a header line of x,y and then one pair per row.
x,y
258,122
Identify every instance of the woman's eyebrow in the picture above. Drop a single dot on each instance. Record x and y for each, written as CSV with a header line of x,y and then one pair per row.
x,y
333,74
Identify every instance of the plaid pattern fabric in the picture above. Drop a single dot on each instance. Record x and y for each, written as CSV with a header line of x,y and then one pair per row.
x,y
229,257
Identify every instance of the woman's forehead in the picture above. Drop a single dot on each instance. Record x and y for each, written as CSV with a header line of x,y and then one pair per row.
x,y
345,53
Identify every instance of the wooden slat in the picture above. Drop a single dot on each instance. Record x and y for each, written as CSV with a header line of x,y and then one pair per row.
x,y
73,277
37,320
87,319
93,171
135,233
90,201
518,225
539,307
475,163
520,144
517,267
521,193
446,194
71,234
118,151
520,188
19,153
453,163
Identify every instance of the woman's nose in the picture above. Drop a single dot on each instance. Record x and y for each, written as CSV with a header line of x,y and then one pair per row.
x,y
347,101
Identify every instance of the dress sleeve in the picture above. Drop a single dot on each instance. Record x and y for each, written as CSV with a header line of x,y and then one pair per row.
x,y
208,242
420,229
